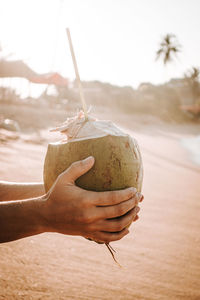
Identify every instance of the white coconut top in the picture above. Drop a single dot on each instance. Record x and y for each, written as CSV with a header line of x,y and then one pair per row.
x,y
78,128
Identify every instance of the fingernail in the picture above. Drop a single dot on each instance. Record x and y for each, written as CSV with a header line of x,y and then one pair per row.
x,y
139,196
137,209
142,198
88,159
136,218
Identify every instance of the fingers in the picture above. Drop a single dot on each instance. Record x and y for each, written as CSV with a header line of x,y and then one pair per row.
x,y
113,197
120,223
117,224
77,169
107,237
106,231
117,210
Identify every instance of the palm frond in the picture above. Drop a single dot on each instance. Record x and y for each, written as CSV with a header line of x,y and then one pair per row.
x,y
174,49
158,53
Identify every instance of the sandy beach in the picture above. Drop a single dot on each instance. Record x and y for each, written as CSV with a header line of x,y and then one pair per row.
x,y
160,256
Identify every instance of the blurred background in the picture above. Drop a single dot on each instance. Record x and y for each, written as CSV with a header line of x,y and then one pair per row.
x,y
138,56
139,62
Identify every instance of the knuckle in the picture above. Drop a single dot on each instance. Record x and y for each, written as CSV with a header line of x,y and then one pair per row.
x,y
113,197
60,176
86,218
107,212
73,166
98,198
119,226
60,179
129,194
89,227
120,210
84,202
80,164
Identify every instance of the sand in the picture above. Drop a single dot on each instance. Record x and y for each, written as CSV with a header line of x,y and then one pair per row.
x,y
160,256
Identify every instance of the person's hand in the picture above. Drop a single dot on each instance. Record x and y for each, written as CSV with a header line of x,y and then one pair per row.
x,y
100,216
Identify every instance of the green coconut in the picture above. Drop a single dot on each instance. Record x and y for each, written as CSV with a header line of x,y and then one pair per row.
x,y
118,162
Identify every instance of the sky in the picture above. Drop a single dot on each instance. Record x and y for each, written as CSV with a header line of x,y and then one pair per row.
x,y
114,40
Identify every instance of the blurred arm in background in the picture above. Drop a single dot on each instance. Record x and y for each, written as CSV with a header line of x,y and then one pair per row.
x,y
16,69
19,69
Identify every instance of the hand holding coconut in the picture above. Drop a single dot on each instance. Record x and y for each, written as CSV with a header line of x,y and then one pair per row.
x,y
66,208
103,217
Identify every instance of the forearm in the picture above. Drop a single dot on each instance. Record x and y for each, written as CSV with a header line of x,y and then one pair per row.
x,y
19,219
16,69
18,191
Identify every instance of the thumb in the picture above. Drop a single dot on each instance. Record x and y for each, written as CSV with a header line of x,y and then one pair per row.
x,y
77,169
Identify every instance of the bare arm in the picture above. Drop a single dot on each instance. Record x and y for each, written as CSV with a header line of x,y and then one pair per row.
x,y
18,191
19,219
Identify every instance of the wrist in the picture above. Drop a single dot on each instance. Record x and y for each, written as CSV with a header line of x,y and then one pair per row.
x,y
42,214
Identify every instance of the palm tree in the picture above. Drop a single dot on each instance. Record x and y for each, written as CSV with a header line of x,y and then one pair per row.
x,y
193,73
192,78
169,46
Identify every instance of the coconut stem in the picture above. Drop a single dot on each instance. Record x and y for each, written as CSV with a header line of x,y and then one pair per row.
x,y
113,256
77,75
